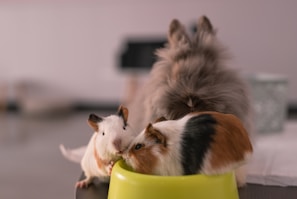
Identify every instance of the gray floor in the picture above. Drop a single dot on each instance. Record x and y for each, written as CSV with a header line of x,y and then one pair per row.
x,y
31,164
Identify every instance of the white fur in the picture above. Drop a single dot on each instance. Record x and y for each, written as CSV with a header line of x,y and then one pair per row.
x,y
89,164
112,127
240,174
170,163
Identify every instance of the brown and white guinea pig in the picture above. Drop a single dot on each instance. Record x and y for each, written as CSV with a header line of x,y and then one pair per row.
x,y
202,142
112,136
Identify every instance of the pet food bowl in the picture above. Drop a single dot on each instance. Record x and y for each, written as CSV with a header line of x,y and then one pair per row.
x,y
125,183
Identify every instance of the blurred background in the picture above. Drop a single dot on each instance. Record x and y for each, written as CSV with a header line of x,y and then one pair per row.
x,y
57,56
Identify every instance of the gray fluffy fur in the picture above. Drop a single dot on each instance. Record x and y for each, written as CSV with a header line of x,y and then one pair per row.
x,y
190,75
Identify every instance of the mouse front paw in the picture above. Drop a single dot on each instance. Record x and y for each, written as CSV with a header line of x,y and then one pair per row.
x,y
110,166
83,183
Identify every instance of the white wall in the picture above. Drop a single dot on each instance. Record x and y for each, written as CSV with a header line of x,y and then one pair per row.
x,y
72,45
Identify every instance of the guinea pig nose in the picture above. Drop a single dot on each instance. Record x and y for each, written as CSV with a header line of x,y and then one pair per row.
x,y
117,144
125,155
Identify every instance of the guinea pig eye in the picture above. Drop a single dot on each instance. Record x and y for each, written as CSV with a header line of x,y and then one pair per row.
x,y
138,146
103,133
124,127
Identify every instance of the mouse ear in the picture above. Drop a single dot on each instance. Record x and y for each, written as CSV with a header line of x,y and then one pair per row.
x,y
94,120
177,35
204,32
160,119
204,24
156,135
123,112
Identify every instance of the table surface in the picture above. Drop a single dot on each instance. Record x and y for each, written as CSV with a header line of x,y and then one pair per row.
x,y
250,191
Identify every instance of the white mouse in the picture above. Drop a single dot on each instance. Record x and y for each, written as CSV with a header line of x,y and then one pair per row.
x,y
201,142
112,136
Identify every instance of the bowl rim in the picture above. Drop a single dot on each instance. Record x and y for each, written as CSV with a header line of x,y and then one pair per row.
x,y
123,169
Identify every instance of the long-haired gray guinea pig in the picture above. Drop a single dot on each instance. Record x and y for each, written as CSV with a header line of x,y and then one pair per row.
x,y
191,74
201,142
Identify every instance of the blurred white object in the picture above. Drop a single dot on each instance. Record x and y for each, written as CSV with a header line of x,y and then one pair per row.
x,y
274,160
269,100
36,98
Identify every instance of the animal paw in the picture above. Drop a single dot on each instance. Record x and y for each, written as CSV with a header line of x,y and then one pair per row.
x,y
109,167
82,184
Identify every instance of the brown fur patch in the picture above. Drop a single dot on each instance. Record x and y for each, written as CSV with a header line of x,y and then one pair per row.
x,y
93,121
231,141
155,135
94,126
144,159
123,112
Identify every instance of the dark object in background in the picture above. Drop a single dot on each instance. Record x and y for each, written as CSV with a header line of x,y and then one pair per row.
x,y
139,54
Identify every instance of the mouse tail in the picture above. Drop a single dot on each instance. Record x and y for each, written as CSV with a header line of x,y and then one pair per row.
x,y
73,155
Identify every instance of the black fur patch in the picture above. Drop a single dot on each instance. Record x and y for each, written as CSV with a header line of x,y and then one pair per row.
x,y
196,139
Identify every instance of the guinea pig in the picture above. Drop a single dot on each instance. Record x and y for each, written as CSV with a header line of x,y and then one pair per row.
x,y
112,136
200,142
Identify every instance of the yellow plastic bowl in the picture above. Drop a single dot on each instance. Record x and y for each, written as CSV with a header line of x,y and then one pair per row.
x,y
126,184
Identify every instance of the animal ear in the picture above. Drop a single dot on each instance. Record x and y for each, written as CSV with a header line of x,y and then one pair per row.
x,y
123,112
156,135
205,33
204,25
94,120
160,119
177,35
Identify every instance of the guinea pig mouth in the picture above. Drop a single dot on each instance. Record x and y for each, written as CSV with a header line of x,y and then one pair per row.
x,y
125,156
119,153
122,151
127,160
114,159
